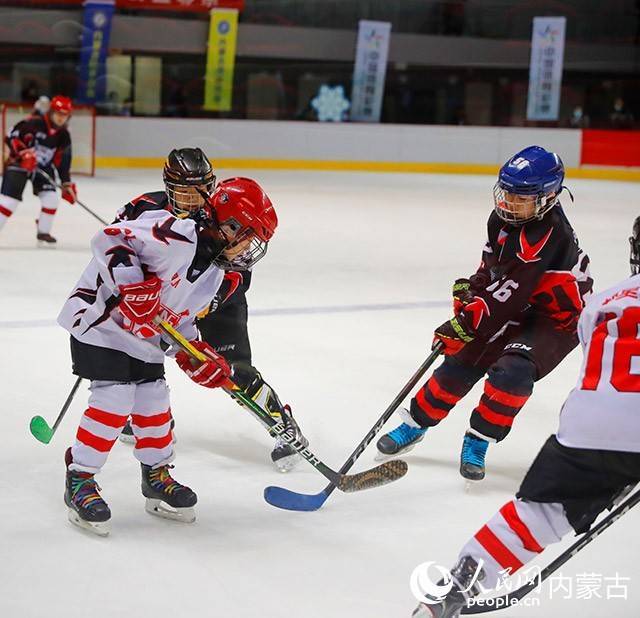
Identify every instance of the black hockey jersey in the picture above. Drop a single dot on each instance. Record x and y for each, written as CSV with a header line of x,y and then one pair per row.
x,y
533,269
52,145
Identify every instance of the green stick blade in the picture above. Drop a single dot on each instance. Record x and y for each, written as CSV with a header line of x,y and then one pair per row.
x,y
40,429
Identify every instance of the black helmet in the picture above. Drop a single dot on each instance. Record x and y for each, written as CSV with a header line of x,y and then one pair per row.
x,y
187,169
634,241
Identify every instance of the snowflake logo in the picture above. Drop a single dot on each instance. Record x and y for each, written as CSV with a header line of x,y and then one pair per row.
x,y
331,104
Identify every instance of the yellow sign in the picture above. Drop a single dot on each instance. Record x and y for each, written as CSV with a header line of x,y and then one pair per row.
x,y
221,56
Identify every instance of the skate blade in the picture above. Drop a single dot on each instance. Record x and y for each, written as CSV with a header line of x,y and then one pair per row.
x,y
101,528
288,463
186,515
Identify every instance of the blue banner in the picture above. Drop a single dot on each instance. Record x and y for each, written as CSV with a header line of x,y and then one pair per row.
x,y
96,29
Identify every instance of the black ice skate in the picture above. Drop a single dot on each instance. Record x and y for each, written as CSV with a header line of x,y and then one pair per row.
x,y
165,496
465,575
46,238
283,455
87,509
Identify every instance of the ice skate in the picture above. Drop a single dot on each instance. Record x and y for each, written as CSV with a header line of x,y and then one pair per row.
x,y
283,455
472,456
465,577
402,439
166,497
87,509
45,240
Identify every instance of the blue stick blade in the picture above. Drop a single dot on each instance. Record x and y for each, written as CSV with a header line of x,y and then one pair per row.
x,y
290,500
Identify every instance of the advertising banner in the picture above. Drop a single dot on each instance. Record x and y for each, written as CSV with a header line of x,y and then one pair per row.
x,y
545,68
96,28
370,70
221,57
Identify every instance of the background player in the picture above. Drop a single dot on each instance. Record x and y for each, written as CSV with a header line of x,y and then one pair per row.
x,y
514,319
165,256
40,141
579,471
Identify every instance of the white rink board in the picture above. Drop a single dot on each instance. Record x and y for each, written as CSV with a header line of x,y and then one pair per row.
x,y
346,244
227,139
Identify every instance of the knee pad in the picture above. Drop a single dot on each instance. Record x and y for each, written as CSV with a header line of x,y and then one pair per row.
x,y
513,373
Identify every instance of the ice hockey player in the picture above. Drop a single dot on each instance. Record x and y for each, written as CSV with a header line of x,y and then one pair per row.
x,y
514,319
223,325
39,142
165,257
581,470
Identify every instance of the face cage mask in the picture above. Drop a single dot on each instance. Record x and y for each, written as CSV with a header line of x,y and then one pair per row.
x,y
543,204
184,200
634,258
255,251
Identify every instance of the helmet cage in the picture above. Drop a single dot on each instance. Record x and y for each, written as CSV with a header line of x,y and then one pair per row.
x,y
188,196
255,250
507,209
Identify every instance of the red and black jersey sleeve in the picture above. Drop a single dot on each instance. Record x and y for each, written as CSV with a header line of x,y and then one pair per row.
x,y
22,136
63,155
514,261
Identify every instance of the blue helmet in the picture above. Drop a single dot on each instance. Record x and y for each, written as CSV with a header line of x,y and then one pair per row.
x,y
535,172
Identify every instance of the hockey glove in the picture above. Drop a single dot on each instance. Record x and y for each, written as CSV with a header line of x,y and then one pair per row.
x,y
69,192
212,373
249,379
27,159
140,302
461,294
454,334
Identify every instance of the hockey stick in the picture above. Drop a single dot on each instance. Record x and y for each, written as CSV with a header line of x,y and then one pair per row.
x,y
508,600
40,429
293,501
59,186
375,477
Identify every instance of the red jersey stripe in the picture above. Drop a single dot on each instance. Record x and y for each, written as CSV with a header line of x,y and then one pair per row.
x,y
507,399
5,211
159,443
439,392
493,417
435,413
497,549
155,420
510,514
106,418
49,211
93,441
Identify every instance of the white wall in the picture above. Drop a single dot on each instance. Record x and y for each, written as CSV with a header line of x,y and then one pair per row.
x,y
255,139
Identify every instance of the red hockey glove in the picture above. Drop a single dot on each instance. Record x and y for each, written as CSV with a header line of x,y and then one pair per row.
x,y
454,334
69,192
27,159
212,373
140,302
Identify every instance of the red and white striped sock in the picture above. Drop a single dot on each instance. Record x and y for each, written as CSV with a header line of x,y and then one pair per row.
x,y
151,424
514,536
49,206
8,206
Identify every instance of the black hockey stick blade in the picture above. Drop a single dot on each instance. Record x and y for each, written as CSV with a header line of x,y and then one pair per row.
x,y
383,474
512,598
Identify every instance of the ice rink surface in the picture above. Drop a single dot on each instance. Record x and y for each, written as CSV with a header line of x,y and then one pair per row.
x,y
342,310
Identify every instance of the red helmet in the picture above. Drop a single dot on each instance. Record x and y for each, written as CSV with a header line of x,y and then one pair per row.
x,y
244,221
61,104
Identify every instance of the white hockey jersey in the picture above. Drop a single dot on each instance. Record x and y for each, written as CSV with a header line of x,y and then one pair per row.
x,y
603,410
153,242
